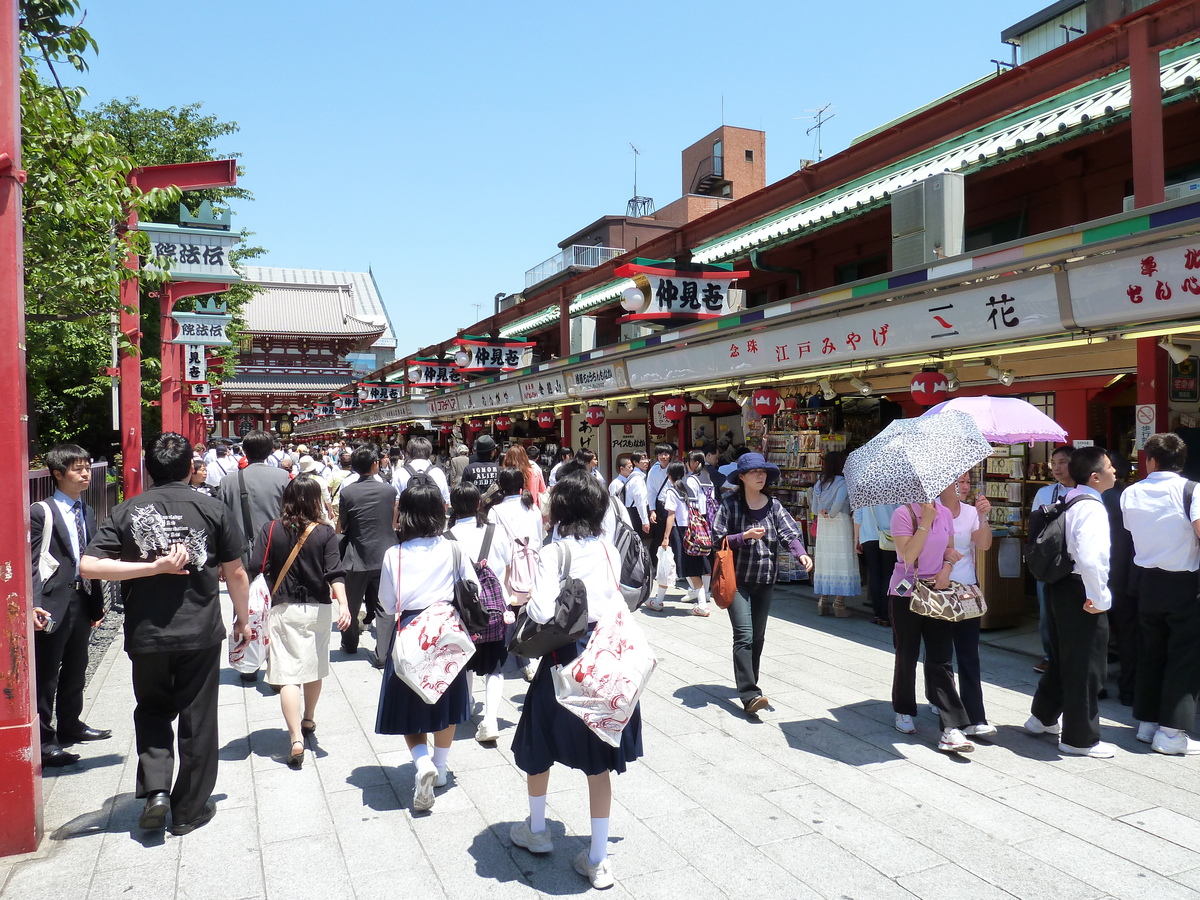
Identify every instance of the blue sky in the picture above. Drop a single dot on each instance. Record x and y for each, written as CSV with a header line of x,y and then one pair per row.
x,y
451,145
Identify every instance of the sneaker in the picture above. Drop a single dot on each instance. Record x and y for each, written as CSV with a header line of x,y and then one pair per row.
x,y
954,741
529,671
600,875
1034,726
983,729
533,841
1146,732
654,605
1098,750
423,783
904,724
689,596
757,704
443,775
1040,668
487,733
1180,745
934,711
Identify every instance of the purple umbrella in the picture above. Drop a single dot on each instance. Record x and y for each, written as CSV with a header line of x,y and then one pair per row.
x,y
1005,420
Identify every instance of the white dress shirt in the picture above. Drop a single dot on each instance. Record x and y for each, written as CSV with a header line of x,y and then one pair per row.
x,y
1089,542
400,477
517,521
614,486
966,523
66,506
1049,493
655,479
218,469
424,570
594,562
1162,536
635,495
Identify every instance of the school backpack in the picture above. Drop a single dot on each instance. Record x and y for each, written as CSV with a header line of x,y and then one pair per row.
x,y
491,594
418,477
523,567
697,537
636,577
1046,554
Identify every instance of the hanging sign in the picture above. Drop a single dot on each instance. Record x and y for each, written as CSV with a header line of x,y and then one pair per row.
x,y
493,356
201,328
190,254
195,366
1184,385
324,410
343,402
600,379
433,373
669,293
551,387
202,389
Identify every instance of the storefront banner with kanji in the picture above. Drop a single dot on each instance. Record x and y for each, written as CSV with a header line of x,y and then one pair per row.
x,y
380,392
1019,308
496,356
195,366
435,374
1150,284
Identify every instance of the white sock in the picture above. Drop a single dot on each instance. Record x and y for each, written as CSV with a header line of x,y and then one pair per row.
x,y
599,841
537,813
493,693
419,752
1168,732
706,580
662,593
702,596
440,755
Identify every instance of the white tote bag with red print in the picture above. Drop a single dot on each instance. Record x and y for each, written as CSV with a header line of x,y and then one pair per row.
x,y
603,684
431,650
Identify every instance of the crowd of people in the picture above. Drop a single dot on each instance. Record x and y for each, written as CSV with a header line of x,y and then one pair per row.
x,y
362,541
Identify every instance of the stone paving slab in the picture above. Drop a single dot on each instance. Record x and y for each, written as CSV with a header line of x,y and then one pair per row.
x,y
821,798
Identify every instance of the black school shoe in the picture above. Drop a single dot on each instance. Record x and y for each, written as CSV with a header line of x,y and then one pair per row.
x,y
181,828
154,813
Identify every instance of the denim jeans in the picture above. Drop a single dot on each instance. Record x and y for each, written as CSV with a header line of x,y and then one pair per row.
x,y
748,615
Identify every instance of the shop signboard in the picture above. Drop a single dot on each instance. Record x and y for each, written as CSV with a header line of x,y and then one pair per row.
x,y
201,328
1021,308
674,294
1185,386
1145,420
626,437
594,380
1162,282
493,397
379,392
433,373
190,254
202,389
195,366
440,407
537,390
493,356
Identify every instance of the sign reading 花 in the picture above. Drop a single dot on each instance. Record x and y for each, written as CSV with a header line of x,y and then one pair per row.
x,y
195,366
495,356
671,293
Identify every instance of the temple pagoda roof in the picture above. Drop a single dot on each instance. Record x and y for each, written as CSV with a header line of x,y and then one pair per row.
x,y
317,302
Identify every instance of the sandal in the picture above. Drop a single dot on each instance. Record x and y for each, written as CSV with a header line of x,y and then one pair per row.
x,y
700,611
839,609
307,729
296,760
824,607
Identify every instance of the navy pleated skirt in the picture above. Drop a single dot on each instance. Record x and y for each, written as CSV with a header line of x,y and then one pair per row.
x,y
489,658
688,566
548,734
403,711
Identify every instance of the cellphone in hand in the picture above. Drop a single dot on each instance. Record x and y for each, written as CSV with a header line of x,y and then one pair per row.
x,y
49,624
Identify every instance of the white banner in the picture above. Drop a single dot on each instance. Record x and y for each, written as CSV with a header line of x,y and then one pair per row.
x,y
1163,283
190,254
537,390
201,328
680,296
603,379
195,365
497,357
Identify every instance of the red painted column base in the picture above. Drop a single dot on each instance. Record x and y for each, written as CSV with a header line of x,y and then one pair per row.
x,y
20,789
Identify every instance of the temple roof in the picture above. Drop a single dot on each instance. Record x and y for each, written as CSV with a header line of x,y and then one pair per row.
x,y
317,302
286,384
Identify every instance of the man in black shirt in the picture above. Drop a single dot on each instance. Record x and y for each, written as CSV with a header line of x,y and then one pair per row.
x,y
483,470
168,544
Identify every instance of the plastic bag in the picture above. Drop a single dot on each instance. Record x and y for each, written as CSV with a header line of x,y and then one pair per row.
x,y
603,684
250,656
431,650
665,573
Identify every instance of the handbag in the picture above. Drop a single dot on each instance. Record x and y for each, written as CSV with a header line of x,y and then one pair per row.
x,y
535,639
466,600
885,534
431,650
603,684
250,656
723,584
956,603
697,537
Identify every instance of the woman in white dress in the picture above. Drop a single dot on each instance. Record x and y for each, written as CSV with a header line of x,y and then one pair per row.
x,y
836,565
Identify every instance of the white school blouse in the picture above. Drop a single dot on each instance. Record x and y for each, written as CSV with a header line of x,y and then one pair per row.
x,y
418,573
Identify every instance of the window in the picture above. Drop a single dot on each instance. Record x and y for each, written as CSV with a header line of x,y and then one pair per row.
x,y
863,268
718,158
750,156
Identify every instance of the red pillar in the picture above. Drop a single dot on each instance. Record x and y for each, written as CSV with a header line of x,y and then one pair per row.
x,y
172,365
20,748
1149,184
129,369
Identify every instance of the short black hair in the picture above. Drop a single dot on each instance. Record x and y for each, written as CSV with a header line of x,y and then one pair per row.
x,y
578,505
676,471
364,458
663,448
1168,450
422,511
464,503
256,445
1064,448
585,455
697,457
169,458
1086,462
344,458
574,465
419,448
511,481
65,456
636,457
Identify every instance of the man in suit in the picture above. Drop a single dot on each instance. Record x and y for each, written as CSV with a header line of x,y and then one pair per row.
x,y
367,521
66,606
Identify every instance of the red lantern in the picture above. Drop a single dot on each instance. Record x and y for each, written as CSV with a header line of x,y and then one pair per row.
x,y
675,409
594,415
767,401
929,387
545,419
447,428
503,423
404,429
477,424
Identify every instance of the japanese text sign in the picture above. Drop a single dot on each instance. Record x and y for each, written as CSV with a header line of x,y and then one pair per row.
x,y
497,356
201,328
195,366
1142,286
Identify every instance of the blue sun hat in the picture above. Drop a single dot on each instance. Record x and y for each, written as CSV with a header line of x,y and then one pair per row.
x,y
749,461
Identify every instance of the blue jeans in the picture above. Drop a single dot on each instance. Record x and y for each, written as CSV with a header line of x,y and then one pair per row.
x,y
748,615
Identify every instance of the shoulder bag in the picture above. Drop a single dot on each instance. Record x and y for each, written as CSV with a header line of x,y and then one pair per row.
x,y
535,639
723,584
466,598
956,603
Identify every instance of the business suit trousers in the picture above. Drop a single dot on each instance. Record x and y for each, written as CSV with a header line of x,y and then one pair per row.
x,y
880,564
361,588
1168,669
909,630
60,666
1070,686
177,684
1123,622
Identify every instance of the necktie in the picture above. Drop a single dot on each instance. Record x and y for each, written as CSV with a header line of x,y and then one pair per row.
x,y
81,534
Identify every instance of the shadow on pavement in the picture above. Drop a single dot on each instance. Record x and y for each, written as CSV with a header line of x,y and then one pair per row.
x,y
498,859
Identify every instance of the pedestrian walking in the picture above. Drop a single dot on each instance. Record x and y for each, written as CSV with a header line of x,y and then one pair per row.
x,y
367,522
656,482
676,497
836,566
419,450
564,455
483,470
1046,495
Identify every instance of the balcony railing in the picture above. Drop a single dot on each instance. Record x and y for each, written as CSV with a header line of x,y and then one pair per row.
x,y
581,256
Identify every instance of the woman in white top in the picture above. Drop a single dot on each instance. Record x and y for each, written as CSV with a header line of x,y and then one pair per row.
x,y
470,530
416,574
547,733
972,532
680,485
521,523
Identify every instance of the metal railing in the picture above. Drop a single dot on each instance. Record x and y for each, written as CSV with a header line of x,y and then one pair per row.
x,y
580,256
100,495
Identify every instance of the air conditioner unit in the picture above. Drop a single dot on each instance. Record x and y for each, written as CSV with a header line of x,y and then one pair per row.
x,y
1172,192
509,302
583,334
631,331
927,220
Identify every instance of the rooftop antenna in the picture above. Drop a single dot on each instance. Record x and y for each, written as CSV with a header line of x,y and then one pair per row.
x,y
478,308
638,207
821,119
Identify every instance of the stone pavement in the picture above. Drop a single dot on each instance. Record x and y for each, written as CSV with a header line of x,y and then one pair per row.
x,y
822,798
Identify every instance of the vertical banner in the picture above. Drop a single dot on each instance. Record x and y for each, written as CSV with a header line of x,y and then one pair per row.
x,y
195,367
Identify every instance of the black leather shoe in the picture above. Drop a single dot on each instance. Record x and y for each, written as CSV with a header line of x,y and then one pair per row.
x,y
346,648
154,813
182,828
87,734
56,757
376,661
249,677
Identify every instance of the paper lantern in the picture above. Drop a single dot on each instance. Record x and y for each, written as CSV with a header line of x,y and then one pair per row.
x,y
675,409
767,401
477,424
447,428
462,358
403,429
633,300
545,419
414,374
503,423
929,387
594,415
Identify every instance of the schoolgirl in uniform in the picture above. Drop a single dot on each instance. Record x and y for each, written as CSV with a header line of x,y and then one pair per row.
x,y
696,569
417,573
547,733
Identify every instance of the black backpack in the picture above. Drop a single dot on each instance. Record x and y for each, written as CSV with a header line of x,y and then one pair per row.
x,y
636,577
533,639
1046,553
467,603
421,477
